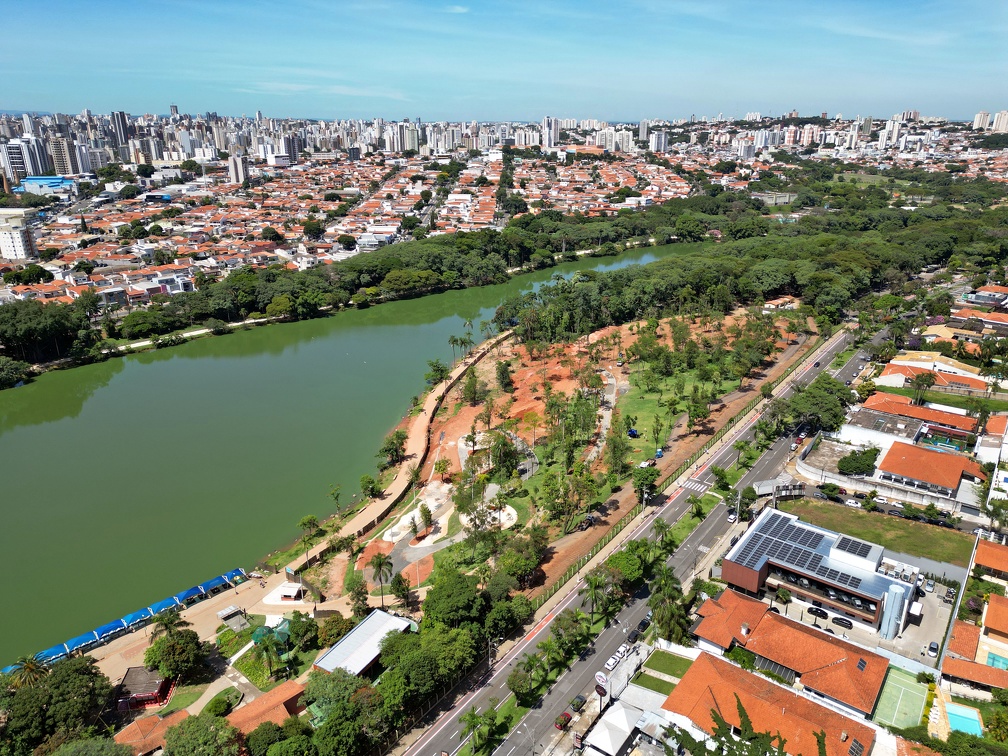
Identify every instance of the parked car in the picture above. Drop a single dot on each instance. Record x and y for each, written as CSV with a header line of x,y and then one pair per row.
x,y
732,515
623,650
577,703
842,622
853,503
843,491
815,611
794,447
649,615
933,649
803,434
633,636
644,624
895,504
881,500
562,721
819,495
860,495
610,665
929,586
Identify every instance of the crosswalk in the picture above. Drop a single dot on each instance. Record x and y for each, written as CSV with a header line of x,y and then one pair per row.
x,y
695,485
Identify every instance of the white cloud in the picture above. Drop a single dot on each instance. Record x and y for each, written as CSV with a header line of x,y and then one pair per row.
x,y
456,9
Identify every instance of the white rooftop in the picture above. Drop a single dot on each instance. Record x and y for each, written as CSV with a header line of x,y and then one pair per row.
x,y
356,650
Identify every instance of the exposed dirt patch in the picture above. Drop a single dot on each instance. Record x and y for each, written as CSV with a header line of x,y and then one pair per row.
x,y
336,572
417,572
375,546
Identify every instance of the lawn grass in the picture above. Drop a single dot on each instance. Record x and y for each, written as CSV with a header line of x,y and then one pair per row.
x,y
841,359
688,523
509,714
184,697
231,695
230,643
669,664
653,683
951,400
892,533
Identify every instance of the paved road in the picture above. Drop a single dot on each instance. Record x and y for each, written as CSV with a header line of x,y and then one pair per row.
x,y
537,726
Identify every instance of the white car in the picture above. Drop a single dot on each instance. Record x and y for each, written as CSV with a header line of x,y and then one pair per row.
x,y
853,503
929,586
895,504
622,650
881,500
613,661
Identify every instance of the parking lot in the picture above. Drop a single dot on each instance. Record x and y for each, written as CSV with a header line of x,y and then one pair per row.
x,y
912,642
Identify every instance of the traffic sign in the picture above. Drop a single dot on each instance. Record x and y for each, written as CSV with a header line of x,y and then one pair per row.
x,y
600,678
600,690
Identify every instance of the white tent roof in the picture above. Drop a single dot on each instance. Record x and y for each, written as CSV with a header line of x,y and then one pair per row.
x,y
614,729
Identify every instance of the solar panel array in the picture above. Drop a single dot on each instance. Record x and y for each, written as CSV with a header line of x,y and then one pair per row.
x,y
855,547
780,540
861,665
856,748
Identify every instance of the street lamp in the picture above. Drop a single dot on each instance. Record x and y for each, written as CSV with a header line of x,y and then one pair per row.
x,y
491,647
528,732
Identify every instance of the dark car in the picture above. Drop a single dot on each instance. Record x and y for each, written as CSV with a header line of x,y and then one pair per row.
x,y
815,611
633,636
643,625
577,703
774,610
819,495
842,622
562,721
815,364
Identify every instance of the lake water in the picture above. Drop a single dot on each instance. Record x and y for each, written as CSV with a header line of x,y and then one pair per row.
x,y
131,480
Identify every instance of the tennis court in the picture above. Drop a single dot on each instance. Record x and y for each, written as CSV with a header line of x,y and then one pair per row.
x,y
901,702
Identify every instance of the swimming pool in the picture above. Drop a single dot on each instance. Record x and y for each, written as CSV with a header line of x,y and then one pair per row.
x,y
964,719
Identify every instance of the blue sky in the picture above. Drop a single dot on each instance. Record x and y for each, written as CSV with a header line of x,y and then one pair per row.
x,y
509,59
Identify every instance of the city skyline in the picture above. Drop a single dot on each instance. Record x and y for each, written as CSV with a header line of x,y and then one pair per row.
x,y
510,61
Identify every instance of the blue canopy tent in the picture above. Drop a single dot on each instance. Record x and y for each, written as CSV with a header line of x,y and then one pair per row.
x,y
160,606
136,617
188,594
81,641
213,584
235,576
51,654
109,629
8,670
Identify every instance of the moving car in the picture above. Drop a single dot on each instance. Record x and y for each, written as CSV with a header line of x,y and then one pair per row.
x,y
577,703
815,611
562,721
842,622
933,649
815,364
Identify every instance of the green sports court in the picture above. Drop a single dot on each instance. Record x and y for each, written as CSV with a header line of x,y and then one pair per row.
x,y
901,703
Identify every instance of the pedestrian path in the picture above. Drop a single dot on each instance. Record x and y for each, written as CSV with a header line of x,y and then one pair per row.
x,y
695,485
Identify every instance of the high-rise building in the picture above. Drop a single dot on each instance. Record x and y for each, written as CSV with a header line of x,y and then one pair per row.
x,y
237,169
981,120
174,111
658,141
550,131
23,157
16,242
642,131
64,156
120,127
1000,125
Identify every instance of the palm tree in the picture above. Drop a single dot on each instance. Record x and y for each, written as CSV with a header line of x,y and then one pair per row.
x,y
167,624
28,672
268,650
742,447
920,384
593,591
583,624
472,725
664,539
381,564
453,341
551,652
696,506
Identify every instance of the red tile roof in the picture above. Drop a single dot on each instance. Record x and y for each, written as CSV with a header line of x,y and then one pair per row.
x,y
965,639
993,556
147,734
712,683
274,706
891,404
938,468
973,672
724,616
825,664
941,379
996,614
997,425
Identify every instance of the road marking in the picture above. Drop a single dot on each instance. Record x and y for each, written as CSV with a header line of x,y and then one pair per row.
x,y
455,733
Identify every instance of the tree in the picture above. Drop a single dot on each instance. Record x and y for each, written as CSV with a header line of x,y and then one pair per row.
x,y
346,241
393,449
593,592
268,650
333,628
130,191
94,747
473,729
504,379
262,737
437,372
783,595
442,467
644,479
721,476
742,447
381,566
920,384
740,740
369,487
400,588
167,623
696,506
28,672
204,735
178,655
270,234
313,229
308,525
303,630
617,449
299,745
